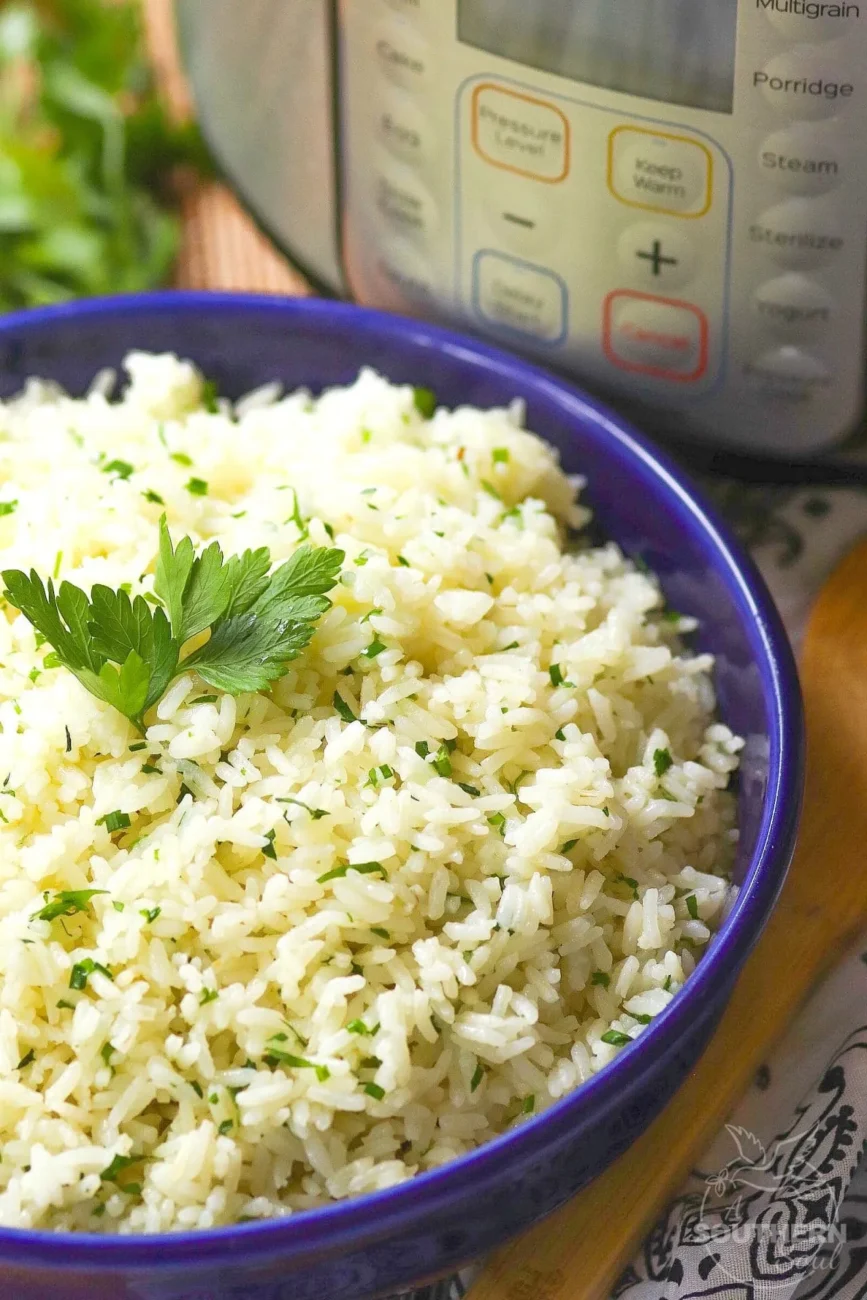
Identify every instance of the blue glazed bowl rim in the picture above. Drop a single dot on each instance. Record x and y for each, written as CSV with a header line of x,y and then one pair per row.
x,y
382,1213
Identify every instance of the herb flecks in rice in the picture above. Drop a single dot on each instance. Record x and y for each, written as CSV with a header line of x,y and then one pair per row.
x,y
300,943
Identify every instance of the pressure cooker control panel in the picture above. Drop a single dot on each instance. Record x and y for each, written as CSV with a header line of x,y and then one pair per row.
x,y
695,254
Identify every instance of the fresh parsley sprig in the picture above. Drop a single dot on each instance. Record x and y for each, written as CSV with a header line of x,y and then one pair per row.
x,y
127,652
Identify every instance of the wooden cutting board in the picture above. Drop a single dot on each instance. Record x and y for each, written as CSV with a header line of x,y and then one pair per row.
x,y
579,1252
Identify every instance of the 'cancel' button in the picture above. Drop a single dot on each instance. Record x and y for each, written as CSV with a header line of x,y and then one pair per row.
x,y
800,233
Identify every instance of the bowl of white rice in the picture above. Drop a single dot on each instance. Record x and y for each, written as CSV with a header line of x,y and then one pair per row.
x,y
398,762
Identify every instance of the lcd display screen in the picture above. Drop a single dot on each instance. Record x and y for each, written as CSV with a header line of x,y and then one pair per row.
x,y
679,51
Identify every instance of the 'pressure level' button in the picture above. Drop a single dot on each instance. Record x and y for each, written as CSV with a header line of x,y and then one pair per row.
x,y
800,233
520,133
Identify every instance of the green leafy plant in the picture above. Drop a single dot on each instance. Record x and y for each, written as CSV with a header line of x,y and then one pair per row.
x,y
86,150
127,652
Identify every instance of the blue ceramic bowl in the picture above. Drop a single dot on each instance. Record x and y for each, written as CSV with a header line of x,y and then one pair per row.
x,y
384,1242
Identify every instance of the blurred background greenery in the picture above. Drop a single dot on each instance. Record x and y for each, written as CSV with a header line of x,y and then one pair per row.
x,y
88,154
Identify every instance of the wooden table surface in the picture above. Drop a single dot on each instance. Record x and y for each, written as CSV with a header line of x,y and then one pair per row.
x,y
222,248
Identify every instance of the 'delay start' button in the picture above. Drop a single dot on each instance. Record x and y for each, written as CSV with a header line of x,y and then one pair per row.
x,y
662,337
520,133
520,297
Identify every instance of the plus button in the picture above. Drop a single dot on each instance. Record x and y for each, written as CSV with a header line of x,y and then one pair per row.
x,y
656,258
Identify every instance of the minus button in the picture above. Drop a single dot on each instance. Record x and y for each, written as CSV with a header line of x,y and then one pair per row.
x,y
515,220
521,222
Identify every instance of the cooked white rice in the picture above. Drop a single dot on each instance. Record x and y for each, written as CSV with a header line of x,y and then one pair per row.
x,y
553,889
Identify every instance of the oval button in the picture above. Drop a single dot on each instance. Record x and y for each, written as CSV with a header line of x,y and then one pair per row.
x,y
403,56
654,254
404,203
407,271
807,83
790,366
793,306
403,128
800,233
521,216
805,159
803,21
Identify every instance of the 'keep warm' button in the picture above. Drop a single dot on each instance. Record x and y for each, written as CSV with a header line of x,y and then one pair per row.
x,y
660,172
662,337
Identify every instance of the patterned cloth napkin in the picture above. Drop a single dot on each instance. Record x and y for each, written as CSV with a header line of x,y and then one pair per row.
x,y
777,1209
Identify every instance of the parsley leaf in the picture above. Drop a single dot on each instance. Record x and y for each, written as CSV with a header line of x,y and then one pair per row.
x,y
247,654
615,1038
120,468
425,402
195,589
555,672
316,813
343,708
276,1056
121,627
363,869
126,653
80,971
210,396
359,1027
298,588
66,902
115,821
118,1164
662,761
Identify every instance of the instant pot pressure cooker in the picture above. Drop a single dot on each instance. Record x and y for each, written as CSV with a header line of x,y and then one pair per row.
x,y
666,199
